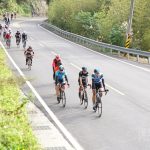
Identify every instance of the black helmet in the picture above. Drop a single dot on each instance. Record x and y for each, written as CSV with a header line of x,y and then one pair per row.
x,y
96,71
84,69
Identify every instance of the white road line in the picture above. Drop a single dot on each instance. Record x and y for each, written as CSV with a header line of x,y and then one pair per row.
x,y
144,69
31,38
77,67
41,44
68,135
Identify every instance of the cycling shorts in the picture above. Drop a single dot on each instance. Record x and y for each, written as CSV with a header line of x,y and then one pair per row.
x,y
96,86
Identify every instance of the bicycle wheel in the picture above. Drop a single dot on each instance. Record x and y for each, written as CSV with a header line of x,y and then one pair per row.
x,y
85,99
63,97
29,64
81,97
99,107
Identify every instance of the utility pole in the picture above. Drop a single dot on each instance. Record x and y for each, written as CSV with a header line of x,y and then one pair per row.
x,y
130,18
128,33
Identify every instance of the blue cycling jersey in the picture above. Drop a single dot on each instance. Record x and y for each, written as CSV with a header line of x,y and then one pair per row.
x,y
60,75
97,78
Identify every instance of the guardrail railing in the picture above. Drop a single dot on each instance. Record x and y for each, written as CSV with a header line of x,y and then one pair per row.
x,y
99,46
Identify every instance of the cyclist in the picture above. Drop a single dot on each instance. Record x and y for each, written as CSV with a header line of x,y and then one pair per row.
x,y
97,83
83,79
56,63
5,31
8,37
12,15
29,53
1,28
18,37
60,79
24,36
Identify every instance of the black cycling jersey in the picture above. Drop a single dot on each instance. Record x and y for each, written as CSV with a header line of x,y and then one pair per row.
x,y
24,36
84,77
18,35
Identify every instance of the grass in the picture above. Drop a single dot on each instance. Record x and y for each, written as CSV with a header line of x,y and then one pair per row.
x,y
15,130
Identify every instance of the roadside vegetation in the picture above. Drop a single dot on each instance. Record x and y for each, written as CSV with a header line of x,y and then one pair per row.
x,y
103,20
15,130
23,7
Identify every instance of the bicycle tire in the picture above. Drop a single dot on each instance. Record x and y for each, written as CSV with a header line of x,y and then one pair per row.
x,y
63,97
29,64
85,100
81,98
99,107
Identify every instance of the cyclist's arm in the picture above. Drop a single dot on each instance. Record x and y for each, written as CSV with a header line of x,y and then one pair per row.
x,y
66,79
103,82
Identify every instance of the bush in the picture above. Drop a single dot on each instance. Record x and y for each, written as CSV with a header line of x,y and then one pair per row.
x,y
15,131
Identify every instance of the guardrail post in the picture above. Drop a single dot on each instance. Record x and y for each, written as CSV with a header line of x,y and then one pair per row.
x,y
128,55
111,51
138,58
149,60
119,53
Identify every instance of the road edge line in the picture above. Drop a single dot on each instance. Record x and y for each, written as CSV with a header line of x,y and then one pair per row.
x,y
63,130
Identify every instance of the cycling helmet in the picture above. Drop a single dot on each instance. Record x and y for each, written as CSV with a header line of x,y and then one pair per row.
x,y
96,71
61,68
57,57
84,69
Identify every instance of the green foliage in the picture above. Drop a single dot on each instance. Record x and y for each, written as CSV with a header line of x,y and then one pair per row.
x,y
146,40
117,36
15,131
104,20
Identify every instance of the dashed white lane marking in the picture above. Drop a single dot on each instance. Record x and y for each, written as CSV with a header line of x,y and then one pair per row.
x,y
31,38
77,67
144,69
68,135
41,44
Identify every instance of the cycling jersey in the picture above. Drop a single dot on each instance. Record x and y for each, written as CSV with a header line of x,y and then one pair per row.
x,y
24,36
98,81
56,64
18,35
7,36
84,77
61,77
97,78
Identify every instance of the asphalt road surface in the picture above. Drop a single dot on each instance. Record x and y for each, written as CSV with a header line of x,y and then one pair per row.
x,y
125,123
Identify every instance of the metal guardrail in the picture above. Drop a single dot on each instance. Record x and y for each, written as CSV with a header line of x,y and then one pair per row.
x,y
98,46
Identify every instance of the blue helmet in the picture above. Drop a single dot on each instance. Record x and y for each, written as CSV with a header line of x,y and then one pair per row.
x,y
61,68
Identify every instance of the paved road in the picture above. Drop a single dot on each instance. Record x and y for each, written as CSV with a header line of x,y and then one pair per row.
x,y
126,109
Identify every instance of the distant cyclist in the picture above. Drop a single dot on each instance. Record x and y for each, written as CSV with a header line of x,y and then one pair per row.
x,y
8,38
1,29
83,79
24,36
60,79
12,15
97,83
24,39
56,63
18,37
29,53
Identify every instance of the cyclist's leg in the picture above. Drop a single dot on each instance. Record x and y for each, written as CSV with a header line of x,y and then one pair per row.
x,y
101,89
94,94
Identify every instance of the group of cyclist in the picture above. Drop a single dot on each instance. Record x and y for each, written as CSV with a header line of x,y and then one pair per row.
x,y
7,35
60,77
